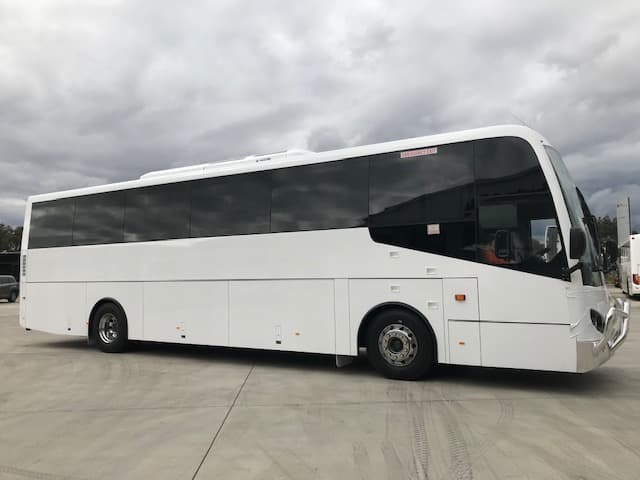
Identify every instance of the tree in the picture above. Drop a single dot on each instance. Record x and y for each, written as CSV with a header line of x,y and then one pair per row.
x,y
608,233
10,238
607,228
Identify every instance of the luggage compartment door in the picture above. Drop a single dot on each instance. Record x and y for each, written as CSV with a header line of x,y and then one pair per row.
x,y
462,312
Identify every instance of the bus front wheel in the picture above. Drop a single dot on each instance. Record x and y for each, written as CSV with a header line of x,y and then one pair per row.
x,y
399,345
110,328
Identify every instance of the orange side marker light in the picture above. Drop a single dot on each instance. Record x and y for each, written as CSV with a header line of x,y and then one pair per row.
x,y
460,297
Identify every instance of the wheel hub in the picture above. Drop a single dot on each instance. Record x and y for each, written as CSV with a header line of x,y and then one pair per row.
x,y
108,328
397,344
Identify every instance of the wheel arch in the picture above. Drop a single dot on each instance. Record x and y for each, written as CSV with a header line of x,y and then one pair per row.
x,y
371,314
97,305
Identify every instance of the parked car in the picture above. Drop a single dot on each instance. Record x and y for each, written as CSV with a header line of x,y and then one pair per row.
x,y
9,288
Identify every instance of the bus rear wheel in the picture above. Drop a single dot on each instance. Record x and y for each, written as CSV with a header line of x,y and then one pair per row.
x,y
109,328
399,345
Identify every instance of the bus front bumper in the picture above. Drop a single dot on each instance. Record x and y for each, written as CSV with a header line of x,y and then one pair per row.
x,y
592,354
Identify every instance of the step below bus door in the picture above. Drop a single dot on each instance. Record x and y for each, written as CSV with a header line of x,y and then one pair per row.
x,y
462,314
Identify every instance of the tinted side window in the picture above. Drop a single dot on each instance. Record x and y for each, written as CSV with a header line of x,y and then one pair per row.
x,y
436,187
157,213
234,205
425,202
51,223
454,239
99,219
507,166
517,221
320,196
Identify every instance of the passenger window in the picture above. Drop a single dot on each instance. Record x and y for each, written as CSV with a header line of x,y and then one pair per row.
x,y
430,188
233,205
157,213
320,196
51,223
99,219
423,199
453,239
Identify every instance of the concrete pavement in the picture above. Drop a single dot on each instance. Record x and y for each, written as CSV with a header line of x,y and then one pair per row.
x,y
175,412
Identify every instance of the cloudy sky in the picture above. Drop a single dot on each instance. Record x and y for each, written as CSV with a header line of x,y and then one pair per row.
x,y
102,91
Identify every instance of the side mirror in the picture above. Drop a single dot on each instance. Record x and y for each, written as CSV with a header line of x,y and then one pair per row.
x,y
503,244
577,243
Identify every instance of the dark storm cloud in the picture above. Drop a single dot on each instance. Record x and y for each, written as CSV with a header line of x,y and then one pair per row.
x,y
102,92
228,139
325,138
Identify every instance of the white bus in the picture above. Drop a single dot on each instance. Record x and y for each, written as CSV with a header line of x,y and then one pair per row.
x,y
423,251
630,266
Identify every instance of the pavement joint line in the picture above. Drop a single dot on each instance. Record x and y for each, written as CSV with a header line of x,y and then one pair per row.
x,y
224,420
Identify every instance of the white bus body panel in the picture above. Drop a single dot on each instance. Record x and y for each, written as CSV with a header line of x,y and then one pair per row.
x,y
293,315
533,346
464,342
463,320
315,286
57,308
187,312
342,318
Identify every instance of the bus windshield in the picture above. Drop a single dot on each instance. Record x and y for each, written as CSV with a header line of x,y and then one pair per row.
x,y
580,217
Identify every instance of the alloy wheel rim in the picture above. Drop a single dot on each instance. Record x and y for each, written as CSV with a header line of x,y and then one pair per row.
x,y
397,345
108,328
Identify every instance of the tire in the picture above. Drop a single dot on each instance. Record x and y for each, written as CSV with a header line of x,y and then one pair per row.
x,y
12,296
399,345
109,328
